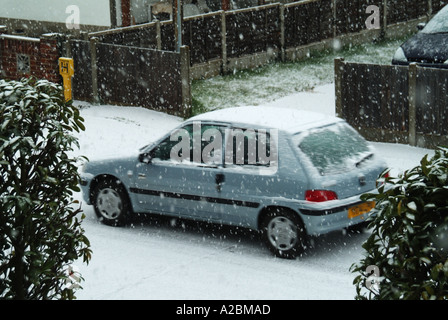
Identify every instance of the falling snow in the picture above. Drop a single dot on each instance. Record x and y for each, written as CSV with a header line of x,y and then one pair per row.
x,y
170,259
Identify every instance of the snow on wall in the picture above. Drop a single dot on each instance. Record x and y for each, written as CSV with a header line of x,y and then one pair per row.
x,y
90,12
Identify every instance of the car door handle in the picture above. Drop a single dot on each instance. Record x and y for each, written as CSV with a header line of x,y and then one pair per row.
x,y
219,179
142,176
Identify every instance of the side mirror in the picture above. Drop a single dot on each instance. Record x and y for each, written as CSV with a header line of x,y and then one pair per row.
x,y
421,25
145,158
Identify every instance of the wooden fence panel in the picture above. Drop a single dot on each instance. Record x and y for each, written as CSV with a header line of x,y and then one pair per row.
x,y
396,11
375,96
302,24
131,76
405,10
308,22
138,37
347,16
247,30
438,4
203,35
396,80
137,76
376,99
421,9
326,19
264,29
432,99
167,36
351,15
82,80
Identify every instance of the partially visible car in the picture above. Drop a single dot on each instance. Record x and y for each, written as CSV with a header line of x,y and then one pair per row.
x,y
286,173
429,47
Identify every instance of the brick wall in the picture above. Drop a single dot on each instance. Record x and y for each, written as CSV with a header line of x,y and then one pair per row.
x,y
24,57
49,56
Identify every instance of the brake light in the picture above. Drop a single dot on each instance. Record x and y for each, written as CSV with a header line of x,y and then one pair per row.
x,y
380,181
320,195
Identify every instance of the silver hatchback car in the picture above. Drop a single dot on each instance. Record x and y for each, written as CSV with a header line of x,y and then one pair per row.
x,y
286,173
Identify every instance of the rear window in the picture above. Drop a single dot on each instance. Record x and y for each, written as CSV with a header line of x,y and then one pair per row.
x,y
334,149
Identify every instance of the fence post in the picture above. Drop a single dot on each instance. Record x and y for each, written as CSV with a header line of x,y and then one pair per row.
x,y
338,74
282,32
223,42
384,22
185,112
67,47
412,104
2,31
93,44
158,35
335,19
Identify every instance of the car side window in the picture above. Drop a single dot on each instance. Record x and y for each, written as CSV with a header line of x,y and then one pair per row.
x,y
194,143
248,147
163,150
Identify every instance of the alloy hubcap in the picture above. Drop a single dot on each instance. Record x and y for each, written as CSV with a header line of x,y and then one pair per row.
x,y
109,203
282,233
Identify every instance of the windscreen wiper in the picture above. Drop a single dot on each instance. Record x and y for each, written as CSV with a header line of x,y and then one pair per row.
x,y
368,157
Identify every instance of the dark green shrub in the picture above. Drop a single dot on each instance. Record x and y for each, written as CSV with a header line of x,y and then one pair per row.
x,y
40,228
408,246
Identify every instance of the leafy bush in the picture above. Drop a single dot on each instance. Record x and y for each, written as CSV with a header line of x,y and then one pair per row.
x,y
40,230
408,248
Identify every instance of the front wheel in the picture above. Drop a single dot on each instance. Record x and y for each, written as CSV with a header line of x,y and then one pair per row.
x,y
284,234
111,202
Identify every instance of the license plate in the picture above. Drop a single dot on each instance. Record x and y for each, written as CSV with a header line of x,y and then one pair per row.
x,y
360,209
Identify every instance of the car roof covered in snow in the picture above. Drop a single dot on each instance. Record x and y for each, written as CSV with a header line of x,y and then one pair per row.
x,y
287,119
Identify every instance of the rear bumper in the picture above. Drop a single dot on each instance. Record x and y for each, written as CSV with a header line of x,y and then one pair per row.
x,y
325,217
317,225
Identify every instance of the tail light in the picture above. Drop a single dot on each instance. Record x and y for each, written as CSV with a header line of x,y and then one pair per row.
x,y
380,181
320,195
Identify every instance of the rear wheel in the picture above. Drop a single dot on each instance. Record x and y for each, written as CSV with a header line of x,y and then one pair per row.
x,y
111,202
283,233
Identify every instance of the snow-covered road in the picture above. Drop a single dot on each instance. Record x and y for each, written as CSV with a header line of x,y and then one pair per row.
x,y
167,259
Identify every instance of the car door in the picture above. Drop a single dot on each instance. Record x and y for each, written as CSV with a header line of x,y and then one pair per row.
x,y
181,176
248,174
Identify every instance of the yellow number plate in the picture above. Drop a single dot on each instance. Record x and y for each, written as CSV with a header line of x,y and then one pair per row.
x,y
360,209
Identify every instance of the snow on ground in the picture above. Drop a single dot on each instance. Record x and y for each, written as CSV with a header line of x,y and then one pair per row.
x,y
167,259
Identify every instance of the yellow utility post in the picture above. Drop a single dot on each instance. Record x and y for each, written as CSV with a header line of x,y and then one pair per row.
x,y
67,70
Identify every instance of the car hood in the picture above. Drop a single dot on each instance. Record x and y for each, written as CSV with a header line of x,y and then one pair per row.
x,y
427,48
115,166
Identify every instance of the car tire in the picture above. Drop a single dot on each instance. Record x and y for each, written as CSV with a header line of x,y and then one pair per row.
x,y
111,202
284,233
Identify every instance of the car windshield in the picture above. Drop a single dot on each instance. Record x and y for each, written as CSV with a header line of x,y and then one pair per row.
x,y
334,149
439,23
